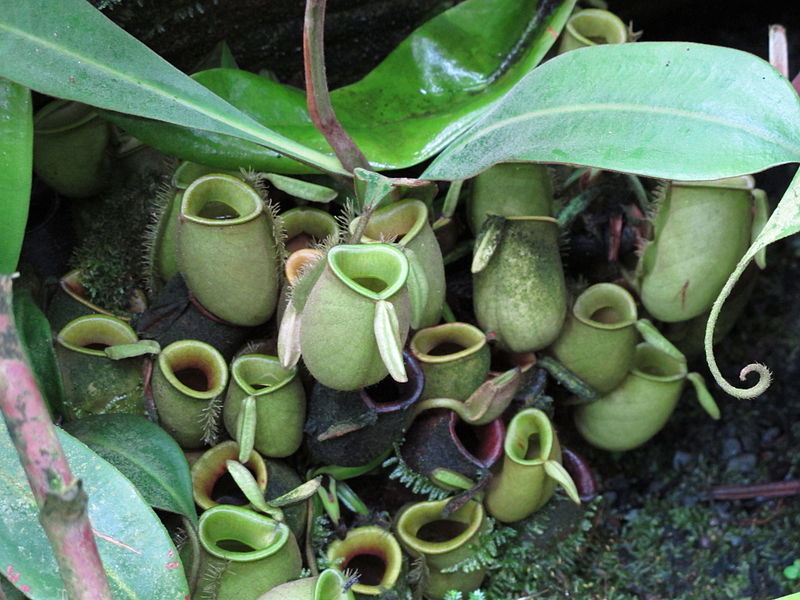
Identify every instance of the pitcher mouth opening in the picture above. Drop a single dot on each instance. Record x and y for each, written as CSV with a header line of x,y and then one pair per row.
x,y
220,199
239,534
92,334
399,222
423,528
605,306
447,342
377,271
651,363
482,444
195,368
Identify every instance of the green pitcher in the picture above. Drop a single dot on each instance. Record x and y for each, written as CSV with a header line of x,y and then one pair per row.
x,y
226,249
590,27
212,485
244,554
70,143
634,412
331,584
279,398
454,358
349,317
518,282
374,553
701,230
188,376
510,190
444,541
530,471
599,337
406,223
94,384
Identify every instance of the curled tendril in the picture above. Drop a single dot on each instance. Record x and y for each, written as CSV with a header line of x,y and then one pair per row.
x,y
764,375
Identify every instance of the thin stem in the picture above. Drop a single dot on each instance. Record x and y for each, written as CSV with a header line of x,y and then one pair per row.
x,y
60,497
311,560
318,97
778,50
361,226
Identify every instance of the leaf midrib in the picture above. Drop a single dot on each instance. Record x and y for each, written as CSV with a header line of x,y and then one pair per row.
x,y
89,441
291,148
624,108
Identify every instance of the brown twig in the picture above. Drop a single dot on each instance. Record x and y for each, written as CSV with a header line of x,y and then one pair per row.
x,y
60,497
318,97
775,489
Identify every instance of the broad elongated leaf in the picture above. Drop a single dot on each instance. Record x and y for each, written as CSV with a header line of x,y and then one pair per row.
x,y
145,454
36,337
661,109
434,85
139,557
69,49
16,161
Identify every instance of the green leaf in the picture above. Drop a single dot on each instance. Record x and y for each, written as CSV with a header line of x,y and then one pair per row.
x,y
137,552
69,49
145,454
302,189
247,483
299,494
487,241
655,338
661,109
140,348
16,162
371,188
433,86
418,289
559,473
246,428
36,338
387,336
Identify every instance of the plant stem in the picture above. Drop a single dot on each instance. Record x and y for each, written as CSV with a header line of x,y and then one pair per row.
x,y
778,50
319,100
361,227
60,497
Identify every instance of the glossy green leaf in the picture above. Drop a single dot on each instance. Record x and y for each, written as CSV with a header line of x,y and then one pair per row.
x,y
145,454
36,338
433,86
661,109
219,56
139,557
69,49
16,162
